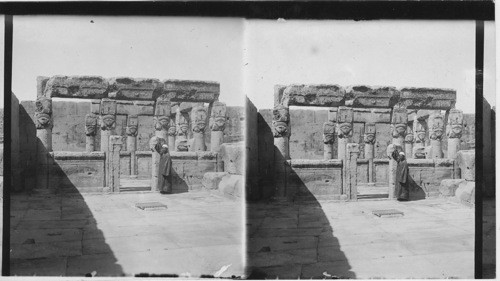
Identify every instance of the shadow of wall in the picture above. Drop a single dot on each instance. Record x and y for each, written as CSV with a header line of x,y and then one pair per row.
x,y
54,233
286,239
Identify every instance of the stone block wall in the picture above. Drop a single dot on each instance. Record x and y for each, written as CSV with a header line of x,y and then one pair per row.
x,y
68,133
251,149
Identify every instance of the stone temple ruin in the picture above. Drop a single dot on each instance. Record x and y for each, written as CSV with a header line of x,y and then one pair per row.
x,y
361,128
106,144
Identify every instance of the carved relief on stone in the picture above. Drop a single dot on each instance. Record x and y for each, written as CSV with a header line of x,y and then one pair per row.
x,y
419,129
409,138
132,125
161,122
399,122
199,119
369,137
172,130
328,132
345,116
182,124
108,122
218,117
455,124
436,127
281,119
419,152
43,113
90,124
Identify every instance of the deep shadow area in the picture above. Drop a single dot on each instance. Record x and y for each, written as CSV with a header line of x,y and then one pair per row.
x,y
289,239
179,185
416,191
53,231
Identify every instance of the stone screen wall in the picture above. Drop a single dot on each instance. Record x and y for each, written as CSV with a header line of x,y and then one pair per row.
x,y
68,133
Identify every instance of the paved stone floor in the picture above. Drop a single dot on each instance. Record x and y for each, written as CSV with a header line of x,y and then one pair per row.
x,y
434,239
72,235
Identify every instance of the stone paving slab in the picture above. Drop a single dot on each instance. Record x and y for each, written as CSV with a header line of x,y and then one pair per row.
x,y
353,243
75,234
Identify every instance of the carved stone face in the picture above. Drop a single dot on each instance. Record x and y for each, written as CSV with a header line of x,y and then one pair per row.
x,y
420,137
369,138
456,131
219,123
183,129
280,114
199,127
43,105
345,129
409,138
280,129
90,125
107,122
399,130
42,120
171,131
162,123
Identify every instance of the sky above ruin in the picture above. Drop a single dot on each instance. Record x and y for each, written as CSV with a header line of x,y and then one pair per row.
x,y
141,47
376,53
250,57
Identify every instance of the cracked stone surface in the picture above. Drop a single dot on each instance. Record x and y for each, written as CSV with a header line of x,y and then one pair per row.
x,y
73,235
304,239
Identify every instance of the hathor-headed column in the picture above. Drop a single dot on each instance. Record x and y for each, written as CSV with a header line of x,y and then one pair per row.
x,y
409,138
436,125
345,117
419,130
281,130
90,131
399,123
454,132
162,117
132,130
182,125
369,139
108,121
199,119
328,139
217,125
172,131
43,124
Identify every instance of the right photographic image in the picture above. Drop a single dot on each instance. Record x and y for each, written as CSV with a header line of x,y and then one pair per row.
x,y
361,139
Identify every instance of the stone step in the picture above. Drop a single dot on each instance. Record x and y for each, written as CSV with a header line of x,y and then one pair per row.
x,y
131,184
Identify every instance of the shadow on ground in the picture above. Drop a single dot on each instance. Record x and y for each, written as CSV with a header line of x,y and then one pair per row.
x,y
290,240
53,229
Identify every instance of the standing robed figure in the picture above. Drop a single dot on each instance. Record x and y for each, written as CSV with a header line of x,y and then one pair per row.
x,y
164,169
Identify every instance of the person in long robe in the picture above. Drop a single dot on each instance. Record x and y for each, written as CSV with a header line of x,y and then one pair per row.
x,y
402,188
164,169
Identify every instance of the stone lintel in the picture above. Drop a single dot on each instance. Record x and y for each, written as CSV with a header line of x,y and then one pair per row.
x,y
191,91
315,163
87,87
428,98
72,155
444,162
184,155
314,95
372,115
367,96
380,161
124,153
127,88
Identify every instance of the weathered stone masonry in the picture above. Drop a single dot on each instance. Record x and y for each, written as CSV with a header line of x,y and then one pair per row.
x,y
125,116
414,119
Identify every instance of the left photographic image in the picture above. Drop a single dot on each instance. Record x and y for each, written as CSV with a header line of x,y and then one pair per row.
x,y
128,151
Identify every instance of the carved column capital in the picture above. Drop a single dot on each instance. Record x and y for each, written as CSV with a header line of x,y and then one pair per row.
x,y
132,125
43,113
370,133
90,124
436,127
455,124
199,119
328,132
281,121
218,116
